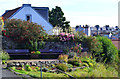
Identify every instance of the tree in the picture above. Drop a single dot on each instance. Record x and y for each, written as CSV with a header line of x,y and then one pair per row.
x,y
56,18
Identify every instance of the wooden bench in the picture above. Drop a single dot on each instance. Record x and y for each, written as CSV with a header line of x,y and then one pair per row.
x,y
50,53
25,53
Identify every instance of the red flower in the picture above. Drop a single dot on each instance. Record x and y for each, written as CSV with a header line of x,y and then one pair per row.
x,y
33,52
3,30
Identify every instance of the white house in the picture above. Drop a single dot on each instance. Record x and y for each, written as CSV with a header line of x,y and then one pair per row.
x,y
37,15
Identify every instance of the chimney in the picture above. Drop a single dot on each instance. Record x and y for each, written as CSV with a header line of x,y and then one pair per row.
x,y
26,5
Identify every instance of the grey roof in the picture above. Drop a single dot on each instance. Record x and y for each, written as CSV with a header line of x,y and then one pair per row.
x,y
43,11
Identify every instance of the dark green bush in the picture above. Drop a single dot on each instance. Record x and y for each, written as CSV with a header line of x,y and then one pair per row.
x,y
62,67
110,52
4,55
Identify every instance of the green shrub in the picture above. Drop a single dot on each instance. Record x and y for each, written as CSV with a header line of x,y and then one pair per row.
x,y
110,52
4,55
119,53
90,64
37,68
69,65
62,67
63,57
3,61
89,61
92,44
74,62
28,68
85,64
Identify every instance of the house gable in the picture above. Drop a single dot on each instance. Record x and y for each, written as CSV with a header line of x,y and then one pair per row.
x,y
36,17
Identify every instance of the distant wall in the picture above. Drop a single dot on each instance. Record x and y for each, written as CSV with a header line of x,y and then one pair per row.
x,y
116,43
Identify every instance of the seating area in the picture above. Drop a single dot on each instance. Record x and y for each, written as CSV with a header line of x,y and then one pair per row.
x,y
26,54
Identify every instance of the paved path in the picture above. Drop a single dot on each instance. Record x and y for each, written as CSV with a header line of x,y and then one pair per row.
x,y
6,74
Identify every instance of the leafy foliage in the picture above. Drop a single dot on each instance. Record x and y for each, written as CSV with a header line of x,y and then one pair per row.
x,y
119,53
35,45
90,62
28,68
4,55
75,61
37,52
110,52
23,30
52,38
69,65
79,36
62,67
92,44
77,48
63,57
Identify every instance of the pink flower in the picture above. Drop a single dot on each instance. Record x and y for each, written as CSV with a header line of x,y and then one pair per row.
x,y
62,34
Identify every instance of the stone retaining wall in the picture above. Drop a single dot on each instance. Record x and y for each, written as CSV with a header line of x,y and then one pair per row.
x,y
7,43
33,63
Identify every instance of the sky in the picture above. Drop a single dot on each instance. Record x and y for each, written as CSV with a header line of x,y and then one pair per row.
x,y
78,12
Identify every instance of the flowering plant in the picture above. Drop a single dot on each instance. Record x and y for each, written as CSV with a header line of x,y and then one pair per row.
x,y
23,31
66,36
77,48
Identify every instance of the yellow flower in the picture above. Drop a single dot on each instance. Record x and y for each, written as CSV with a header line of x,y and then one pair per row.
x,y
91,57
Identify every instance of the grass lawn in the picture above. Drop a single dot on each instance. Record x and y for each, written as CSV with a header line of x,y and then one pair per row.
x,y
46,75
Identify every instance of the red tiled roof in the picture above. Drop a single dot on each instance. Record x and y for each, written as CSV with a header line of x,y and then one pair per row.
x,y
10,12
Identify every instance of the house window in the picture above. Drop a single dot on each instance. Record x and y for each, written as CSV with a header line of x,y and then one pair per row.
x,y
28,18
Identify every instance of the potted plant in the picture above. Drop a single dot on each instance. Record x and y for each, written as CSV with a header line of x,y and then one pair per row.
x,y
35,54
